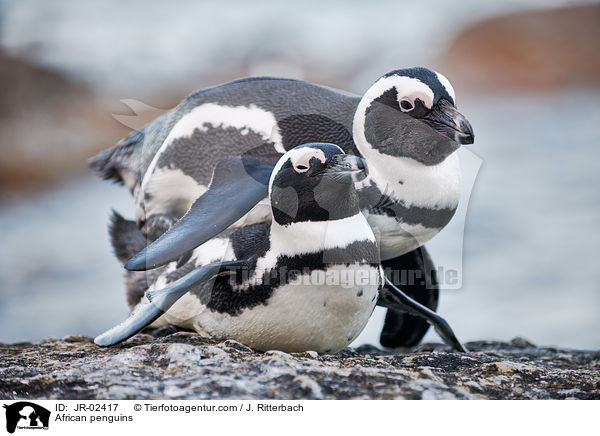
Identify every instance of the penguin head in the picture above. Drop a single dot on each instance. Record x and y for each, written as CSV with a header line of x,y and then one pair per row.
x,y
315,182
411,113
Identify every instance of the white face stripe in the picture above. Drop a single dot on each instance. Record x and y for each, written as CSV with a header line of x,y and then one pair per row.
x,y
405,86
303,157
298,156
446,84
423,186
276,169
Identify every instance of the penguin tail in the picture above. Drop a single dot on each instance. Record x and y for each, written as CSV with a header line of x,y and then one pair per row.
x,y
127,240
126,237
114,164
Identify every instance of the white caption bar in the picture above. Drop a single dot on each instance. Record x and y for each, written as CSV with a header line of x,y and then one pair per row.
x,y
373,418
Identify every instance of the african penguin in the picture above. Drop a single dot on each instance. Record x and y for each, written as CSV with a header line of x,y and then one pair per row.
x,y
297,286
406,127
308,280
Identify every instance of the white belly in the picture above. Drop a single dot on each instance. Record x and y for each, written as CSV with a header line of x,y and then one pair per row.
x,y
324,312
396,239
435,187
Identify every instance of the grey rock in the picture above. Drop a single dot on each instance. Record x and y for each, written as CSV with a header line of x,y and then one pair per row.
x,y
186,366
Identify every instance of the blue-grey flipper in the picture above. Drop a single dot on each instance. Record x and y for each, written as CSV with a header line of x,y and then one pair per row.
x,y
161,300
393,298
238,184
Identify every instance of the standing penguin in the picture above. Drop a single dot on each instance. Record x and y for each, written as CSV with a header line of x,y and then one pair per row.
x,y
308,280
406,127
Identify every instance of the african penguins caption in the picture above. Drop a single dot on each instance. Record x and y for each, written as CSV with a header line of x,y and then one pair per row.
x,y
406,127
309,280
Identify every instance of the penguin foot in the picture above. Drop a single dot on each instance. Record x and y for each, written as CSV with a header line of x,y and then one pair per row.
x,y
165,330
393,298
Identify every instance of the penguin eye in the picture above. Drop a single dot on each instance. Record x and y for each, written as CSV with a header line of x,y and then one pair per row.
x,y
406,105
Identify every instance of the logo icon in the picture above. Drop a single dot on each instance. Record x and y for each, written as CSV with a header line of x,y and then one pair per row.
x,y
26,415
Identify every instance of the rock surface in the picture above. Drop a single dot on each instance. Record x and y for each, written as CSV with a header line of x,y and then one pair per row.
x,y
185,366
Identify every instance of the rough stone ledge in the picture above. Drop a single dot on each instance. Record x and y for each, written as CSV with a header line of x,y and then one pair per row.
x,y
185,366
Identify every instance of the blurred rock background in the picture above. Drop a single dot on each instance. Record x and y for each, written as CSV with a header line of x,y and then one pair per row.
x,y
76,76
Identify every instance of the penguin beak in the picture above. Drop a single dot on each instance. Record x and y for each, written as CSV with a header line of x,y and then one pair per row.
x,y
450,122
346,167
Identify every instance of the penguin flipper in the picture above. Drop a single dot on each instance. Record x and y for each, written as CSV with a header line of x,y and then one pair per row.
x,y
418,280
393,298
237,185
159,301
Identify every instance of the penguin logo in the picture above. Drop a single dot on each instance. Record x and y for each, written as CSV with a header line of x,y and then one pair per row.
x,y
26,415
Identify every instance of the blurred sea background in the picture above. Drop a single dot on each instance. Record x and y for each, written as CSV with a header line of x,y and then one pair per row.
x,y
526,73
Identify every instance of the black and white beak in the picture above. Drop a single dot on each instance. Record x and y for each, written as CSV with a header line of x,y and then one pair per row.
x,y
447,120
346,168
